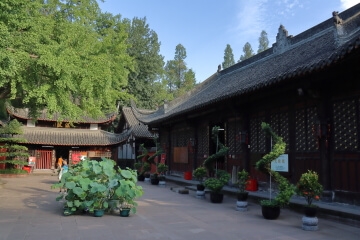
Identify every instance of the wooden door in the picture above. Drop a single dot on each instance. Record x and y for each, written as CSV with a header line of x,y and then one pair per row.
x,y
43,159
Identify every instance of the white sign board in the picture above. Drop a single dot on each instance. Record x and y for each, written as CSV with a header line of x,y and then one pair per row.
x,y
281,163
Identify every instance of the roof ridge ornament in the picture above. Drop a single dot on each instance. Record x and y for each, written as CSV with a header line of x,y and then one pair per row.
x,y
283,40
336,18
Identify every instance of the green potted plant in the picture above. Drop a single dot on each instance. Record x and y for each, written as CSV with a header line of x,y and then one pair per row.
x,y
140,173
146,170
242,181
126,191
99,194
91,185
199,174
154,178
162,168
309,187
216,184
271,207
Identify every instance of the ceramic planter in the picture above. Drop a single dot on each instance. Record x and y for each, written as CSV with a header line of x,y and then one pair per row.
x,y
270,212
125,212
98,212
216,197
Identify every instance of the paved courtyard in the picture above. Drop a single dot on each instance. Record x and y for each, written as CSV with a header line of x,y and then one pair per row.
x,y
28,210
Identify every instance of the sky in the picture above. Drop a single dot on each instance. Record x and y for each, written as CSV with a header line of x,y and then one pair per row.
x,y
205,27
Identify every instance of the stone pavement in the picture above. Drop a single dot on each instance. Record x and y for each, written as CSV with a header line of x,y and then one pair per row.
x,y
28,210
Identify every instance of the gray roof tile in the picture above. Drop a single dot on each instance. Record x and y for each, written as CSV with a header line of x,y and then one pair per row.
x,y
315,49
71,137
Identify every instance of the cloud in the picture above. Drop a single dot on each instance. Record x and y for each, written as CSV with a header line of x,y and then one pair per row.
x,y
250,19
345,4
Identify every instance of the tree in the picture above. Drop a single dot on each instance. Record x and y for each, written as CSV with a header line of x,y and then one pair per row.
x,y
248,52
144,47
263,42
228,57
177,76
53,56
15,154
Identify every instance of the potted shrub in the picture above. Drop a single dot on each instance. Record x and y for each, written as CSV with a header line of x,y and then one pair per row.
x,y
271,207
146,170
162,168
242,195
199,174
154,178
309,187
242,181
216,184
140,173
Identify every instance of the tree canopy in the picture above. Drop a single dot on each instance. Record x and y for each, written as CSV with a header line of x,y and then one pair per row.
x,y
63,56
178,78
228,57
248,52
144,47
263,42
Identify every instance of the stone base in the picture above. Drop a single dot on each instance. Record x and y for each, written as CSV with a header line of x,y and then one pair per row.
x,y
200,194
241,206
310,223
146,179
162,183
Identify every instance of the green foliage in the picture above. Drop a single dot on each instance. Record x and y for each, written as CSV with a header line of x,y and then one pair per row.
x,y
199,174
248,52
215,184
63,56
286,190
15,154
144,48
12,171
178,78
228,57
309,187
146,167
92,185
138,166
162,168
263,42
243,177
221,150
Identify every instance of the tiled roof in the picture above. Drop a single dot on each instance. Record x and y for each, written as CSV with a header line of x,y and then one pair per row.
x,y
139,130
71,137
23,113
315,49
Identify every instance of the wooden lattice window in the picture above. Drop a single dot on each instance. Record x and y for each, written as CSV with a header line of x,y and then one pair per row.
x,y
233,138
279,122
305,120
345,125
203,140
257,135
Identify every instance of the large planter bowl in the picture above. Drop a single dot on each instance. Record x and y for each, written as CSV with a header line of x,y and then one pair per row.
x,y
216,197
98,212
270,212
242,196
141,178
200,187
310,211
125,212
154,181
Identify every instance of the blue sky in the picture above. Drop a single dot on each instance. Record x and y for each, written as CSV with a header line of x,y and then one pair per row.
x,y
205,27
